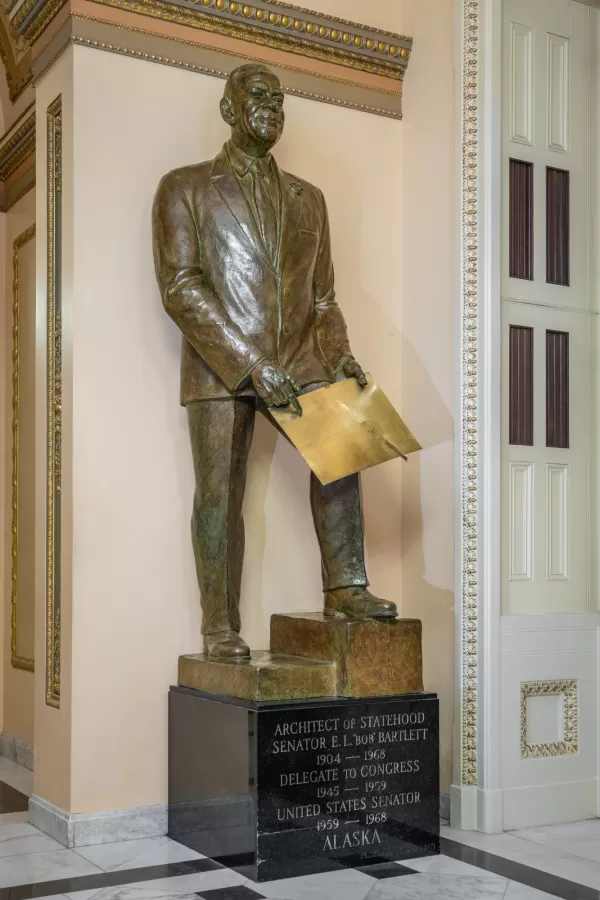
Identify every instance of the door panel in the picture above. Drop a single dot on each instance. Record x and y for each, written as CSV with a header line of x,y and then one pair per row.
x,y
548,315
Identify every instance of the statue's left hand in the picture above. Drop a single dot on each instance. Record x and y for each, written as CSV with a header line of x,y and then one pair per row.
x,y
351,369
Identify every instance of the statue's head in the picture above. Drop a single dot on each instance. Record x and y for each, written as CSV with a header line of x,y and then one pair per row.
x,y
253,105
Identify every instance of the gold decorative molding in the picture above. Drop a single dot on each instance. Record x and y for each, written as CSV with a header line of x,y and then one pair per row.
x,y
469,367
285,27
570,742
17,144
99,27
371,61
29,18
17,661
17,147
14,55
53,400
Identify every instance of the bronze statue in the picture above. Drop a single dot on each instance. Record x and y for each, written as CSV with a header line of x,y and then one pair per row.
x,y
243,260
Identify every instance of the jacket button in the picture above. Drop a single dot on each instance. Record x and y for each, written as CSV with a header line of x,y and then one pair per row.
x,y
287,292
287,330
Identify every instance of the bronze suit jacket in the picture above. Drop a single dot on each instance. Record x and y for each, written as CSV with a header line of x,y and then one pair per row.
x,y
234,305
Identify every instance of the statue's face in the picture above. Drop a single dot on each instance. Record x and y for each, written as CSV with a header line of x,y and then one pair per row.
x,y
258,110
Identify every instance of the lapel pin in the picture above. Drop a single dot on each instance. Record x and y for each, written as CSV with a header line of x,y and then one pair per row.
x,y
297,188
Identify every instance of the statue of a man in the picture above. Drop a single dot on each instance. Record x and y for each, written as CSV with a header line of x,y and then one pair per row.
x,y
243,260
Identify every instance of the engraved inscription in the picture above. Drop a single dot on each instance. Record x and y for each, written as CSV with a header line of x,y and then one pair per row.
x,y
359,779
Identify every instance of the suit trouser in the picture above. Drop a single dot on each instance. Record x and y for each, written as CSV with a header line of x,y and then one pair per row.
x,y
221,435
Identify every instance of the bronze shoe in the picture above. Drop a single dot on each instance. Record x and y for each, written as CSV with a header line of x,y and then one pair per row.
x,y
358,603
226,646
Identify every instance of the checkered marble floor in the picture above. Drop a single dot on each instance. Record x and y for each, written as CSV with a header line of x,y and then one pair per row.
x,y
34,866
558,861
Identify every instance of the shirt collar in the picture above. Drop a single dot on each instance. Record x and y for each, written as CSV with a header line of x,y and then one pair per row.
x,y
241,162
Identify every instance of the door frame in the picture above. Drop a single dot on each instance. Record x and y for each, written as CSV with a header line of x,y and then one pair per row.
x,y
476,792
475,796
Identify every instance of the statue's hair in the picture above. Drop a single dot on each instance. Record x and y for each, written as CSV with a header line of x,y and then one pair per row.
x,y
238,78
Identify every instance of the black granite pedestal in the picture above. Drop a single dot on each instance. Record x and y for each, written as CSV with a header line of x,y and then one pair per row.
x,y
282,789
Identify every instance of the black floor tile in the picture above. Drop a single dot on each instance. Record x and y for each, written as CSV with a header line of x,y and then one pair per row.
x,y
239,892
387,870
531,877
106,879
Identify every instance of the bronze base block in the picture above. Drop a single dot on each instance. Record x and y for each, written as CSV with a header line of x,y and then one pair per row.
x,y
264,676
372,658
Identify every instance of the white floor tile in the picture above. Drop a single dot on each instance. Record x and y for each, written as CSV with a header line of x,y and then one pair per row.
x,y
344,885
520,892
190,884
35,867
19,839
438,887
577,839
123,893
136,854
445,865
528,853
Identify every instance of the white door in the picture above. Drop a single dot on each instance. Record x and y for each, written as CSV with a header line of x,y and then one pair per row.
x,y
548,308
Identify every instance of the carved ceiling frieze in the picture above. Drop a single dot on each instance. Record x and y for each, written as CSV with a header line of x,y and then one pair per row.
x,y
334,60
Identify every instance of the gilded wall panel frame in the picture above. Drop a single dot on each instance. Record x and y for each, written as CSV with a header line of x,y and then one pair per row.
x,y
53,400
17,661
569,744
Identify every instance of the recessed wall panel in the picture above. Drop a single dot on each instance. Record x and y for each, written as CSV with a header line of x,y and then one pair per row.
x,y
520,238
558,93
521,385
557,524
558,226
521,521
521,68
557,389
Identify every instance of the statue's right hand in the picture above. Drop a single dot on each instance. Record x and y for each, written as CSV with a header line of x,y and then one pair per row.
x,y
275,387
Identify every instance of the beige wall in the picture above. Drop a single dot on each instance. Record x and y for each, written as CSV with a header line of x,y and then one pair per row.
x,y
390,191
18,684
427,351
5,443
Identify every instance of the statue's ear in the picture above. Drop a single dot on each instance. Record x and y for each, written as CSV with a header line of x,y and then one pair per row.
x,y
227,111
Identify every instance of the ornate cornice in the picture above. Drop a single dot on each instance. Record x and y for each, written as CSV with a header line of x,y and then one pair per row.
x,y
17,144
17,147
28,18
370,59
285,27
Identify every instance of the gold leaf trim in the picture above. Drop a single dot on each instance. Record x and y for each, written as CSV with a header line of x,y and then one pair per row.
x,y
15,88
23,139
34,28
234,54
312,13
53,401
18,662
203,21
139,54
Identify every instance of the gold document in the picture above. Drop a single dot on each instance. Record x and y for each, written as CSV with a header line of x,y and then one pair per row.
x,y
345,428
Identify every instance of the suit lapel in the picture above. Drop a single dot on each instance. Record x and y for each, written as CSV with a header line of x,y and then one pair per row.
x,y
292,203
227,186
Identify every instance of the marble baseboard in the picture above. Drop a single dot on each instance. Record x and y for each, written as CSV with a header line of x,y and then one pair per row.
x,y
85,829
17,751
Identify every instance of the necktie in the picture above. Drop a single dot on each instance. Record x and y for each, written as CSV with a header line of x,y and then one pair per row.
x,y
265,200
